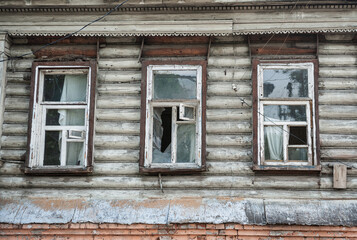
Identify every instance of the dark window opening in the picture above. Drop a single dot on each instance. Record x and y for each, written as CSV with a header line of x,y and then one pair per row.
x,y
297,136
166,118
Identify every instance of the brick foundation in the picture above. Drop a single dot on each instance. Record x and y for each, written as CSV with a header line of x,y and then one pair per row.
x,y
171,232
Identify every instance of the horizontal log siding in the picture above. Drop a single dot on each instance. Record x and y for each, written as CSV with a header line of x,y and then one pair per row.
x,y
338,106
229,129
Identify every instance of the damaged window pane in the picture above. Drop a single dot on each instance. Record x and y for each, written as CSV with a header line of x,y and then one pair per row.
x,y
186,143
162,118
285,83
175,84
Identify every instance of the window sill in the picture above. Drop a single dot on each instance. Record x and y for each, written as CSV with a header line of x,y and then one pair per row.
x,y
171,170
58,171
289,169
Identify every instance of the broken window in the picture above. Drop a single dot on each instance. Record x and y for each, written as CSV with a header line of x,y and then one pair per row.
x,y
286,131
173,117
61,117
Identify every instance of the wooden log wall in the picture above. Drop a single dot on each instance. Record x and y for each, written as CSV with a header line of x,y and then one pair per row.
x,y
229,122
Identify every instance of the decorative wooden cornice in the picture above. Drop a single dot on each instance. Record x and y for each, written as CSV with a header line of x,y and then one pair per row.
x,y
178,7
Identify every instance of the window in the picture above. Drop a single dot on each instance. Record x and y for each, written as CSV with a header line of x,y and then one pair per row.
x,y
61,120
285,107
173,117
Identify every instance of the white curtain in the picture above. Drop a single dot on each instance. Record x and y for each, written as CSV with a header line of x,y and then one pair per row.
x,y
274,141
74,90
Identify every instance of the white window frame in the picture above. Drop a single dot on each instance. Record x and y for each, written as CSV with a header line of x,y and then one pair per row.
x,y
309,102
174,103
40,107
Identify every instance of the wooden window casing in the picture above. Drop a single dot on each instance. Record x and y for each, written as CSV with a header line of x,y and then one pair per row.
x,y
179,108
260,119
69,134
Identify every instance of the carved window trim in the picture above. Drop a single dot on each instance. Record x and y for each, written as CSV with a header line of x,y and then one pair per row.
x,y
37,119
311,103
147,104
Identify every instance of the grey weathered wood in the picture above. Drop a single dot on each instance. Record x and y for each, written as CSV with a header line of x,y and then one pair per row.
x,y
114,51
338,140
228,140
228,102
118,89
119,102
228,61
110,114
338,126
18,90
228,74
15,129
119,64
339,176
335,153
229,153
16,117
337,83
337,112
347,72
337,60
235,49
14,142
228,127
119,76
112,141
228,114
118,128
116,155
225,89
338,97
18,103
337,49
13,154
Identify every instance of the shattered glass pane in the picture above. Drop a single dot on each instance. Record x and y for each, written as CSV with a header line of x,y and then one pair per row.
x,y
175,84
52,148
161,147
285,83
297,154
65,88
189,112
74,153
284,113
186,143
65,117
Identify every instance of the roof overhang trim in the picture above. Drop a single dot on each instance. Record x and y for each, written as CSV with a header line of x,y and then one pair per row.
x,y
175,34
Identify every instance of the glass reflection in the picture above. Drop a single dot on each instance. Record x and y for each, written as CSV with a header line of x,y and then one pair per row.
x,y
175,85
285,83
284,113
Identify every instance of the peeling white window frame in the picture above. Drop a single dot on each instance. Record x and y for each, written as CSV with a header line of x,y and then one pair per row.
x,y
310,122
174,104
38,123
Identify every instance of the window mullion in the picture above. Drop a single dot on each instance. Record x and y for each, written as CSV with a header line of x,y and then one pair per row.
x,y
63,148
285,142
173,135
